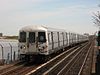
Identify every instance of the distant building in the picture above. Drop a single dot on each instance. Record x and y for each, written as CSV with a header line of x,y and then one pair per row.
x,y
86,34
1,34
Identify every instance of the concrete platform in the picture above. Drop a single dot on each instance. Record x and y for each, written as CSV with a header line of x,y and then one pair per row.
x,y
96,61
93,72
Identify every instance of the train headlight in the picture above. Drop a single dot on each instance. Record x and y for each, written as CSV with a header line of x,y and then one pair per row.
x,y
24,47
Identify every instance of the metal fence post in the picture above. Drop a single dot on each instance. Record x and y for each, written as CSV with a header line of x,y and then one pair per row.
x,y
18,55
14,56
8,55
2,54
11,51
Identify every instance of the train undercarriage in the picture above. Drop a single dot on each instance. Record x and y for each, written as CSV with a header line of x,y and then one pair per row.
x,y
34,58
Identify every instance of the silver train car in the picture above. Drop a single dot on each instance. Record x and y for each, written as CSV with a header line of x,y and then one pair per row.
x,y
43,41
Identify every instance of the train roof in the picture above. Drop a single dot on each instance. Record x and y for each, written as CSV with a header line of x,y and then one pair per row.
x,y
39,28
33,28
43,28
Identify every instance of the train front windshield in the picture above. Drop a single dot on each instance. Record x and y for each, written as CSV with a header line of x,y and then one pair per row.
x,y
42,37
22,37
32,37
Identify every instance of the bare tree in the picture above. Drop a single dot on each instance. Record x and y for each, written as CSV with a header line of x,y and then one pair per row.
x,y
96,18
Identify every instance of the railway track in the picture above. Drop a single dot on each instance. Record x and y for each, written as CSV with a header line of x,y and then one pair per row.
x,y
6,70
10,66
20,70
86,67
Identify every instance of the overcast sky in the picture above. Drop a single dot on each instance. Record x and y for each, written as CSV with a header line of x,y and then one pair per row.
x,y
72,15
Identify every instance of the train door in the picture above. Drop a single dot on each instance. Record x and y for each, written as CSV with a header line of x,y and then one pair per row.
x,y
50,41
31,42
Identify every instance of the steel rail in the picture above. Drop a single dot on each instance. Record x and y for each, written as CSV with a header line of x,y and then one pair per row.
x,y
85,60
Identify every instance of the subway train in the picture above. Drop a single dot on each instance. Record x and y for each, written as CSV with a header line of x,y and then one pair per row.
x,y
41,42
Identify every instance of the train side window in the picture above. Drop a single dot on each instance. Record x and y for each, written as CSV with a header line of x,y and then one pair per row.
x,y
52,40
58,35
52,36
66,36
48,37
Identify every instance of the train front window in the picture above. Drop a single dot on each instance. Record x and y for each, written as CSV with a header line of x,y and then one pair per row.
x,y
22,37
41,37
31,37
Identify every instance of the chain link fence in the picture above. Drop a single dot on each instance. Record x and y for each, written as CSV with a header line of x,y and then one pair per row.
x,y
8,51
